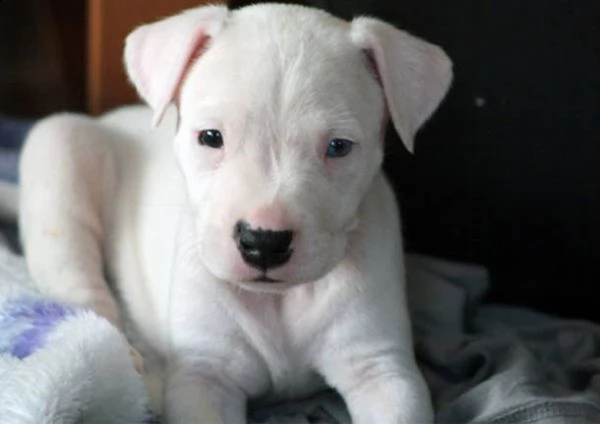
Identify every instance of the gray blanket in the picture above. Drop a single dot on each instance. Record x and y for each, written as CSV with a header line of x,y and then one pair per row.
x,y
484,363
494,364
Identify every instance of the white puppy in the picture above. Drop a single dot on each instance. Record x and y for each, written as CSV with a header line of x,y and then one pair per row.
x,y
260,251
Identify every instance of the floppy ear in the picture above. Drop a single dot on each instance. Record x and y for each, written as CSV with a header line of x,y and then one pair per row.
x,y
158,55
415,75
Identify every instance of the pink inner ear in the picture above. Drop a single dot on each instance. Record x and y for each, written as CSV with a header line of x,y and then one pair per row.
x,y
198,49
372,65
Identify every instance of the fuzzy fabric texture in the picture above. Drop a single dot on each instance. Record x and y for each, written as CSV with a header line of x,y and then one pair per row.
x,y
60,364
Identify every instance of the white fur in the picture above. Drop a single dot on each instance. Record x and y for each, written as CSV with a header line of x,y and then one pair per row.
x,y
279,82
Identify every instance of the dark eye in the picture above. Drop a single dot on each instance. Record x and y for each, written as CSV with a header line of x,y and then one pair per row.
x,y
338,148
211,138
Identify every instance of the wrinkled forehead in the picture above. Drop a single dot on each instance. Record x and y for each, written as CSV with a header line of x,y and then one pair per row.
x,y
302,66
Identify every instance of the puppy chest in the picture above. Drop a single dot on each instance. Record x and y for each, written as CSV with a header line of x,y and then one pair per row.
x,y
290,375
283,342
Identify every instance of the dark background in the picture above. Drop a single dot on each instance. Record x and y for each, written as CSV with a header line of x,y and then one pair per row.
x,y
506,174
42,56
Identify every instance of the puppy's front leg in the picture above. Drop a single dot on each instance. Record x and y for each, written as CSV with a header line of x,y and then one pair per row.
x,y
391,396
367,355
203,356
379,388
195,396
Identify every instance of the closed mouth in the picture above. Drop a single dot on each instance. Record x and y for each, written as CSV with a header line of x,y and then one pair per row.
x,y
265,279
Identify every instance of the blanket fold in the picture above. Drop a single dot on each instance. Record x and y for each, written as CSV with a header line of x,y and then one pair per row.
x,y
494,363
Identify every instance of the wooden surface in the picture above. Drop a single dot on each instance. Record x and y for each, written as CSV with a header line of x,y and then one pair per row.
x,y
109,23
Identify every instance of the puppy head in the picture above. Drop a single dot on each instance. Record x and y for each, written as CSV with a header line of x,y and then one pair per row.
x,y
282,111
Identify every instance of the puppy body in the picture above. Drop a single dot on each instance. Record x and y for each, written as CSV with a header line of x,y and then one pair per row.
x,y
160,215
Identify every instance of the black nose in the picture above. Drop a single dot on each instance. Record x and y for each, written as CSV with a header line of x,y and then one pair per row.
x,y
262,249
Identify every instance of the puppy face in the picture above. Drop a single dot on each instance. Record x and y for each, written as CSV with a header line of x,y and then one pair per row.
x,y
279,137
281,114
